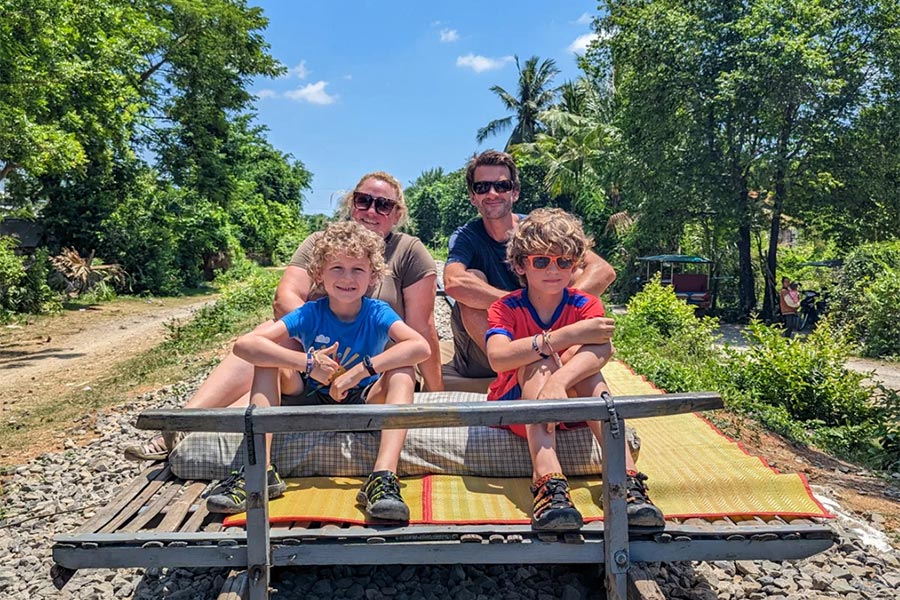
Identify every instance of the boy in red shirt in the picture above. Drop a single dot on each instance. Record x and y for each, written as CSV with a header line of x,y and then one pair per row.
x,y
544,343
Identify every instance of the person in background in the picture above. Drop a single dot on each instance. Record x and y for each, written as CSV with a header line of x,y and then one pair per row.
x,y
547,341
344,361
409,287
789,302
476,273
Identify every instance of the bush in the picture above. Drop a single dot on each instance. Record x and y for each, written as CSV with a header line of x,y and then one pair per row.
x,y
806,376
23,282
866,289
660,337
882,334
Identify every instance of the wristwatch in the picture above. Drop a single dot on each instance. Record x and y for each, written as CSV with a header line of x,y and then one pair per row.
x,y
367,363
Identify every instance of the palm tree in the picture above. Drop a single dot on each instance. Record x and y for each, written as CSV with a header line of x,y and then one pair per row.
x,y
534,96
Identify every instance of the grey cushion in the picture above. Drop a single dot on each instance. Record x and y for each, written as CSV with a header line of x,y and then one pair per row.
x,y
482,451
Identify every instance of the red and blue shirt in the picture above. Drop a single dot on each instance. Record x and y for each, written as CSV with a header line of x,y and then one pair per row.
x,y
516,318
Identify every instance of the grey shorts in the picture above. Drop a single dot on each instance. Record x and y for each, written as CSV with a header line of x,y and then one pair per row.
x,y
468,359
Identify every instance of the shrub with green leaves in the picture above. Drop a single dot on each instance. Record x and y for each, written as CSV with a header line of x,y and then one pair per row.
x,y
660,337
23,282
807,376
865,297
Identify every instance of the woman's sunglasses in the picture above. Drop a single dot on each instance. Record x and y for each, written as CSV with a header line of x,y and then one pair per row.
x,y
542,261
383,206
483,187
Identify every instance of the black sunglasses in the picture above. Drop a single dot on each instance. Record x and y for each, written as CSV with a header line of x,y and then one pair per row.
x,y
483,187
542,261
383,206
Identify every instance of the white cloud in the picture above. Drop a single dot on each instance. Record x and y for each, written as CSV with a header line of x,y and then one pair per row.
x,y
314,93
300,71
585,19
579,46
263,94
449,35
482,63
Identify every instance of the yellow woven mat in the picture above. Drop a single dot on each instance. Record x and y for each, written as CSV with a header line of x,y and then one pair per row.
x,y
694,471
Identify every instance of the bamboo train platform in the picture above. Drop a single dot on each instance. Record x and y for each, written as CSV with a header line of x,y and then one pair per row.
x,y
160,520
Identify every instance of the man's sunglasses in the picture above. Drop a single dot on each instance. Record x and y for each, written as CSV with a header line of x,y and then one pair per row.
x,y
542,261
483,187
383,206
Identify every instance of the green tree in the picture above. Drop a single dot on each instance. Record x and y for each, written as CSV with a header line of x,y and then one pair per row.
x,y
534,95
724,106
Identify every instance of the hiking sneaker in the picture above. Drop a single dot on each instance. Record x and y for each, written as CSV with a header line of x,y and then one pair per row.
x,y
381,496
641,511
157,448
553,508
230,496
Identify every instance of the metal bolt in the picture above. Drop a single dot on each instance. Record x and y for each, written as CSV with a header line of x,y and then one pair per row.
x,y
621,558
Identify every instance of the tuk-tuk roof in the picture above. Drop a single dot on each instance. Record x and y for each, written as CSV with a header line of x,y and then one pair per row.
x,y
675,258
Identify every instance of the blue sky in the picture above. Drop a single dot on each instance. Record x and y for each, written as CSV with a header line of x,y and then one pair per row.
x,y
401,86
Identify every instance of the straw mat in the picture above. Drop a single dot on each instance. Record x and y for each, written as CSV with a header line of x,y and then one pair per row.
x,y
693,470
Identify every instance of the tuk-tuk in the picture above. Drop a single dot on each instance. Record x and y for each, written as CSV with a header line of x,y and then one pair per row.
x,y
687,274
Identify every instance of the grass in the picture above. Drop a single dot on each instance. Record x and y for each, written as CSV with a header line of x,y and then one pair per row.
x,y
190,348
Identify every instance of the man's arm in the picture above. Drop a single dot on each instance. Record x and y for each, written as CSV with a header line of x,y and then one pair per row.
x,y
292,291
596,276
469,288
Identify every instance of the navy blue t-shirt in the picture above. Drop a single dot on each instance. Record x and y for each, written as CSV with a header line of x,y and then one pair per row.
x,y
471,246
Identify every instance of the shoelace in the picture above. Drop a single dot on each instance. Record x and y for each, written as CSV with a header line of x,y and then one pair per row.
x,y
234,480
385,487
636,490
553,494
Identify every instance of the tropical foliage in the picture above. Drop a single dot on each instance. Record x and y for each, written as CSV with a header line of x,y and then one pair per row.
x,y
127,132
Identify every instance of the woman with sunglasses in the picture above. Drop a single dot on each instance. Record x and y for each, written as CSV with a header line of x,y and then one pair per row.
x,y
378,204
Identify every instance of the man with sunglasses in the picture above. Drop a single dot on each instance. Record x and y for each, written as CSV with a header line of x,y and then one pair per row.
x,y
477,274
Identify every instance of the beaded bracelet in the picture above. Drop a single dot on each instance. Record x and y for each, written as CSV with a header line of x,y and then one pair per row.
x,y
553,352
310,361
536,348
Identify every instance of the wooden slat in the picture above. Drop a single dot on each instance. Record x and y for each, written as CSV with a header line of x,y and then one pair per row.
x,y
138,501
196,519
121,499
162,500
374,417
178,510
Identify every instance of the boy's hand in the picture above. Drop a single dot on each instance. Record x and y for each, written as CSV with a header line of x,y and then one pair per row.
x,y
343,383
326,366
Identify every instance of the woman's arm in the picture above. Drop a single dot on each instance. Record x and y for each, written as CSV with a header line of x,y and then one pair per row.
x,y
418,300
292,291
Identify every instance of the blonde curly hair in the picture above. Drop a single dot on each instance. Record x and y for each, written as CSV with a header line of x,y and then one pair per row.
x,y
350,239
550,231
346,207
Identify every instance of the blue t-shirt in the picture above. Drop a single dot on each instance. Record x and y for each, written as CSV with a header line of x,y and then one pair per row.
x,y
317,327
471,246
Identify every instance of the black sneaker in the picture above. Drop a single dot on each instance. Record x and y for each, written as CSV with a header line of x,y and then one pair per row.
x,y
553,508
641,511
230,496
381,496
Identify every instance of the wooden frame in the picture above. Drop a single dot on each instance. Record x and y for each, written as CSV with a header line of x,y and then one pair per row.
x,y
157,521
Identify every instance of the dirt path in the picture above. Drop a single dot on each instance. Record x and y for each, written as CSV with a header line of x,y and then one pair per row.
x,y
54,354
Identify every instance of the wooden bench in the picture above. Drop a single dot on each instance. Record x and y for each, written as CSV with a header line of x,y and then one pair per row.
x,y
161,521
